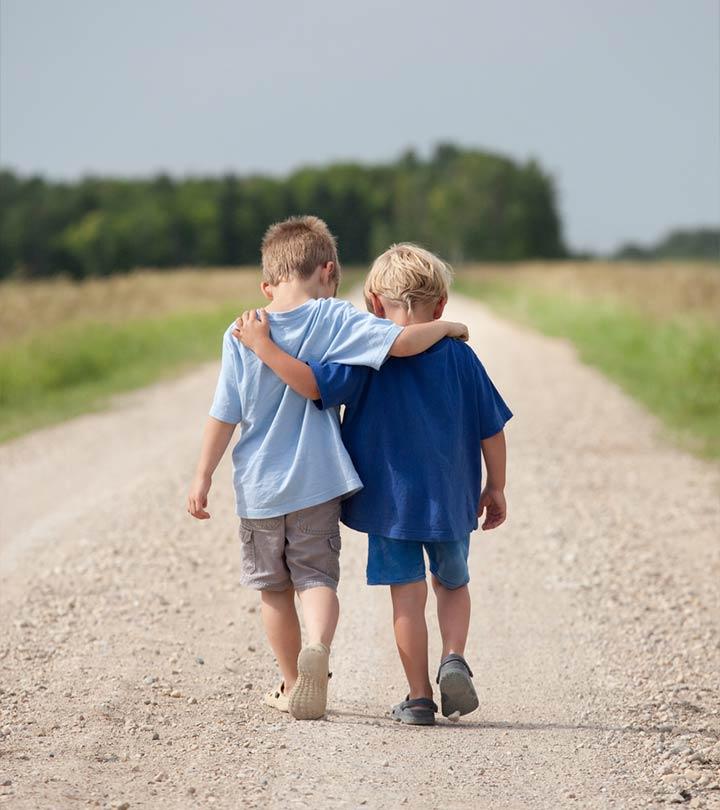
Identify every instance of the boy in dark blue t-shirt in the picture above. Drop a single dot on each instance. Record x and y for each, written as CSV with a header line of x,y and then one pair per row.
x,y
414,431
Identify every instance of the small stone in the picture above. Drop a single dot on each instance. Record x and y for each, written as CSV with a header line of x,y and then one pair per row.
x,y
251,648
676,798
247,685
175,693
6,783
693,776
155,735
149,679
199,659
192,701
454,717
191,791
386,764
160,777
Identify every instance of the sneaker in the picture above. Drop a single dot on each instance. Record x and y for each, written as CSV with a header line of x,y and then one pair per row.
x,y
308,698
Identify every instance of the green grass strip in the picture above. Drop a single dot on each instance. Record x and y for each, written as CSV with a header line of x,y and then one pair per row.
x,y
76,368
671,366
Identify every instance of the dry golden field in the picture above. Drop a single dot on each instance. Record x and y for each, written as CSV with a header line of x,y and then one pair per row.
x,y
662,289
29,307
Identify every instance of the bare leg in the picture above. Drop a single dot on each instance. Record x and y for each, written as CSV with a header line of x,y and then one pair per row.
x,y
411,635
321,610
283,631
453,610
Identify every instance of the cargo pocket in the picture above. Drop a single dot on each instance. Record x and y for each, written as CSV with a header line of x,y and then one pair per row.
x,y
333,567
247,552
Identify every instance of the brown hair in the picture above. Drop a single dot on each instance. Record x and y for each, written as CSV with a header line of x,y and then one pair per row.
x,y
409,275
295,247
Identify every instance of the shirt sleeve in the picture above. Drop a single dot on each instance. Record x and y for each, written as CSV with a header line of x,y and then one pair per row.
x,y
359,338
493,411
338,384
226,403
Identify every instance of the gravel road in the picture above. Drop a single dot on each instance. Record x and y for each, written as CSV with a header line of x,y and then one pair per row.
x,y
132,664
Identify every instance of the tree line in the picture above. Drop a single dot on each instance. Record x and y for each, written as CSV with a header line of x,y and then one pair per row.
x,y
681,243
465,204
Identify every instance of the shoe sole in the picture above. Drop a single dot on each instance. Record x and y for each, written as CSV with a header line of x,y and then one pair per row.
x,y
308,699
457,693
414,720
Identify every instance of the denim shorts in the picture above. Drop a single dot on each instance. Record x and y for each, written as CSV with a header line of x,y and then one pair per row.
x,y
299,550
398,562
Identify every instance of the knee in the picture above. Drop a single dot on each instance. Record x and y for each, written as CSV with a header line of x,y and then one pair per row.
x,y
410,594
448,587
270,596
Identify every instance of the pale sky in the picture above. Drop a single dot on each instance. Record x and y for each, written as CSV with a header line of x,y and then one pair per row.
x,y
619,99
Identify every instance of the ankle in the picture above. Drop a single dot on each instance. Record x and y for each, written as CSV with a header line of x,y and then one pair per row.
x,y
453,649
424,691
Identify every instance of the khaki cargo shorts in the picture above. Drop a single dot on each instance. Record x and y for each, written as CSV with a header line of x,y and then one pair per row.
x,y
301,549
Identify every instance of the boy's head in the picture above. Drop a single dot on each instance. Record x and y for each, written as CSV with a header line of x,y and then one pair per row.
x,y
408,284
300,249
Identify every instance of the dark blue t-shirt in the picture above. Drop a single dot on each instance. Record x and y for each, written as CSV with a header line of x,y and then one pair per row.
x,y
413,431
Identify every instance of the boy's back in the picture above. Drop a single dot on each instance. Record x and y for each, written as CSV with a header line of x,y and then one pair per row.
x,y
413,430
282,434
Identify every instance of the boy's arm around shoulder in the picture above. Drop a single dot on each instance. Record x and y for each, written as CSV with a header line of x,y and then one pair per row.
x,y
253,331
417,338
327,384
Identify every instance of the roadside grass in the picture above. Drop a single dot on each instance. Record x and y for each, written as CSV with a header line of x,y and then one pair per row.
x,y
667,358
76,368
67,348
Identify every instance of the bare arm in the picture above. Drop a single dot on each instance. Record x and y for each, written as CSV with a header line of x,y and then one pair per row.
x,y
216,438
492,499
292,372
253,331
419,337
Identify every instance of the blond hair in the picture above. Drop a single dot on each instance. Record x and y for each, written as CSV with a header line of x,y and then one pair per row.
x,y
410,275
296,247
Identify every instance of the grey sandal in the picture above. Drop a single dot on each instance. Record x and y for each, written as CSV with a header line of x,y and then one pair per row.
x,y
457,693
415,712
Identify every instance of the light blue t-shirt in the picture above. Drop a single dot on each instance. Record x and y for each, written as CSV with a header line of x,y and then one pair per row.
x,y
290,455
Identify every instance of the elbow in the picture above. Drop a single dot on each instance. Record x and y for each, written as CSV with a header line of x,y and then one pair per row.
x,y
309,391
399,348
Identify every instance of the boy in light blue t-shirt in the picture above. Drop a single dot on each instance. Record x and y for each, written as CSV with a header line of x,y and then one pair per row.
x,y
291,470
429,417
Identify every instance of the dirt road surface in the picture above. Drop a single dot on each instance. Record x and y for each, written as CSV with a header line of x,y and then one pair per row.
x,y
132,664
